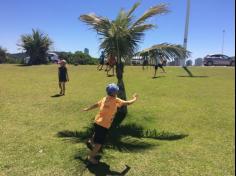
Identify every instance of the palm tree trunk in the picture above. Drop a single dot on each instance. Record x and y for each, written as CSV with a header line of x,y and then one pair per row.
x,y
121,112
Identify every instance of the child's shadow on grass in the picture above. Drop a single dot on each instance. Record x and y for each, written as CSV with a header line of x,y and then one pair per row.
x,y
124,138
102,169
110,75
23,65
128,137
155,77
56,95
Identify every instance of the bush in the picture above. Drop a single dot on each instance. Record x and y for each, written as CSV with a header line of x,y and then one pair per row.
x,y
82,59
11,60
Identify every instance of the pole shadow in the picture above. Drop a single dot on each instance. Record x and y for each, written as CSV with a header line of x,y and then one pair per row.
x,y
192,76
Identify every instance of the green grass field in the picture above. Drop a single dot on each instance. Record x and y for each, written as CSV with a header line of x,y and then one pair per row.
x,y
201,107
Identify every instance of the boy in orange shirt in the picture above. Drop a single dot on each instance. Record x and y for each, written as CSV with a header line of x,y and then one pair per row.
x,y
103,120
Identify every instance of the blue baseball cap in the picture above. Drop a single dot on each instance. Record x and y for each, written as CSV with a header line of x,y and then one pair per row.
x,y
111,89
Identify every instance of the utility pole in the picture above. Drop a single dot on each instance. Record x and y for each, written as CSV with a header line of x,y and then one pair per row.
x,y
183,64
186,30
223,42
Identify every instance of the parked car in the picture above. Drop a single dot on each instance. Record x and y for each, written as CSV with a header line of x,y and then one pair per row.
x,y
218,60
52,57
26,60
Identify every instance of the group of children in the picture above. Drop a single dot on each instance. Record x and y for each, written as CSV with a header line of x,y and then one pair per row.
x,y
107,109
110,63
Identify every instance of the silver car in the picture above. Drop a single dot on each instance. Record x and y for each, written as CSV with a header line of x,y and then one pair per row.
x,y
218,60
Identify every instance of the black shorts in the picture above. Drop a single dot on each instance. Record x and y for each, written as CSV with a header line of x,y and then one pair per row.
x,y
62,79
158,65
100,134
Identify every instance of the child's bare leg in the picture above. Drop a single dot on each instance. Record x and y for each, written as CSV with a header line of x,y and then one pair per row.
x,y
93,153
60,87
91,141
113,69
163,69
155,73
109,68
63,88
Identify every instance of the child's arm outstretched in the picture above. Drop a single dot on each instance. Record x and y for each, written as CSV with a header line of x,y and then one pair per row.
x,y
91,107
129,102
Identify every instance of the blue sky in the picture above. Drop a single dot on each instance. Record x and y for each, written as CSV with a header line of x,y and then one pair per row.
x,y
59,19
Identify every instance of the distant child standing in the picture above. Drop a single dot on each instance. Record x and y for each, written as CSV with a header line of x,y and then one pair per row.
x,y
103,120
145,61
63,76
159,63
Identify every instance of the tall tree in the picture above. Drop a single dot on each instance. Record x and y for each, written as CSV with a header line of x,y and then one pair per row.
x,y
36,46
121,36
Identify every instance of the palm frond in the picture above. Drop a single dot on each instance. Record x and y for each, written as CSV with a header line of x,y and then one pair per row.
x,y
122,35
158,9
91,19
169,51
100,24
135,6
143,27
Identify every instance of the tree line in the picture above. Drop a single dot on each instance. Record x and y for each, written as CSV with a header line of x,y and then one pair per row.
x,y
78,58
36,47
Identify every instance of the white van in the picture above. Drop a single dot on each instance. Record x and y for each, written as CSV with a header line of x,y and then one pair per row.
x,y
53,57
26,60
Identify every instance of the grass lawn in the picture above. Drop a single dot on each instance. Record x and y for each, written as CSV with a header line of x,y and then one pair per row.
x,y
201,107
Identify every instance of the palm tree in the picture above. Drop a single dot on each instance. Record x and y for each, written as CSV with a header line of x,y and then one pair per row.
x,y
121,37
36,46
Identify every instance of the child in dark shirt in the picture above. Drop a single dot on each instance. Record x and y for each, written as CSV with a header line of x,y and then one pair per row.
x,y
62,76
